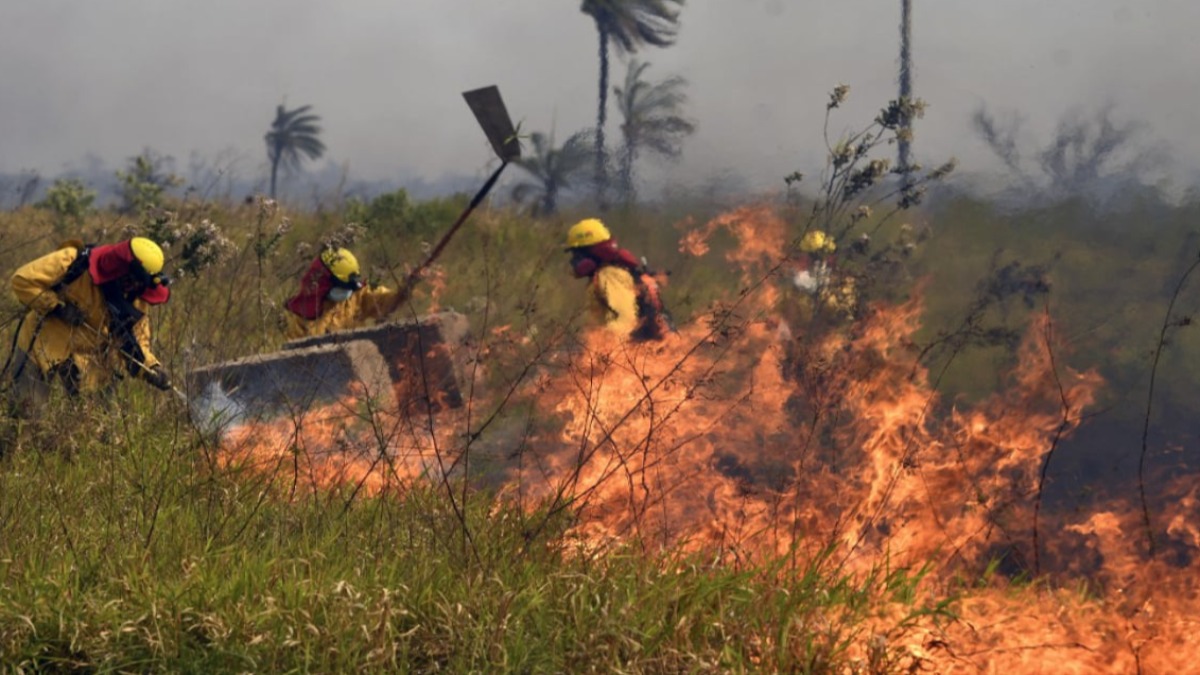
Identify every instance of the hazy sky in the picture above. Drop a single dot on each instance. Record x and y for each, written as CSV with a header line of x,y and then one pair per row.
x,y
110,77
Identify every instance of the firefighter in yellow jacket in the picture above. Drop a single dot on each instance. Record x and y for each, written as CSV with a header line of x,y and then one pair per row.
x,y
334,297
624,293
87,320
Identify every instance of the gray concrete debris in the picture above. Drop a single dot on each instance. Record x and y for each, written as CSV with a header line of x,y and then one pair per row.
x,y
425,358
287,383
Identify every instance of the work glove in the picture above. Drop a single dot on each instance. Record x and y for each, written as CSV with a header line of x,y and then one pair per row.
x,y
69,313
158,377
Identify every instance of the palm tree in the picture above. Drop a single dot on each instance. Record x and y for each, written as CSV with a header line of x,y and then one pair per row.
x,y
552,170
629,24
651,119
293,134
904,146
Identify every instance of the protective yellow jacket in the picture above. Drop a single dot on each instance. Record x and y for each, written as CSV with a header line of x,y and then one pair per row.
x,y
615,298
50,341
365,304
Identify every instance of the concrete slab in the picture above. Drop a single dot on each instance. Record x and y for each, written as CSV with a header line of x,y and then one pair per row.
x,y
425,358
287,383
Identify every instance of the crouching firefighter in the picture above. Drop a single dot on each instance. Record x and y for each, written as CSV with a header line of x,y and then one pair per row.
x,y
87,325
622,290
333,296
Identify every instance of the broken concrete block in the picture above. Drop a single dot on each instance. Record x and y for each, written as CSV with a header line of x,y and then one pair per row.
x,y
288,383
425,358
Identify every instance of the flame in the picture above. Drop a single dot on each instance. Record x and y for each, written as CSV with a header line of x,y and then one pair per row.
x,y
436,280
343,444
762,236
750,438
703,439
736,438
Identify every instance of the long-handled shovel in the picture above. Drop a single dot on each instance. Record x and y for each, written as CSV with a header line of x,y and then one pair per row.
x,y
493,117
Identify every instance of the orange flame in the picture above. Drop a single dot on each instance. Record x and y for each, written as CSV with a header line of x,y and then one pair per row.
x,y
749,438
347,444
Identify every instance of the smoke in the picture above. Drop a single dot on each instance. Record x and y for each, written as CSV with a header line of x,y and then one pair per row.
x,y
215,412
386,77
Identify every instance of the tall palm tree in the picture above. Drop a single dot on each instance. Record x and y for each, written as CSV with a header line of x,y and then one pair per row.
x,y
904,147
552,170
651,119
292,137
629,24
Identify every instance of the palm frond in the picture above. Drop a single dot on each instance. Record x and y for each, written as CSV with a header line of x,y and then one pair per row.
x,y
292,137
631,24
552,169
652,111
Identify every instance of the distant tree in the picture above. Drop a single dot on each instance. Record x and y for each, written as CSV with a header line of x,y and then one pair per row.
x,y
652,120
1084,153
1001,140
27,184
629,24
144,184
552,170
69,200
293,136
1082,148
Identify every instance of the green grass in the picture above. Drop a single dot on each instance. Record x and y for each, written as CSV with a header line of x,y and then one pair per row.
x,y
1110,272
126,553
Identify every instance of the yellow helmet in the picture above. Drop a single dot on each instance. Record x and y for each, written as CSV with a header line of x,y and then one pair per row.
x,y
341,263
817,241
587,232
148,254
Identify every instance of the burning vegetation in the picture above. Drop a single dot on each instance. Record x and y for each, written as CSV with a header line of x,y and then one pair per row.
x,y
778,433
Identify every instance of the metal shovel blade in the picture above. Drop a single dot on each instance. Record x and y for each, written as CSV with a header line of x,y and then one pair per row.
x,y
493,117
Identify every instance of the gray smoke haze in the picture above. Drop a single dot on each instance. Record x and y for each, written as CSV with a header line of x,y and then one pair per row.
x,y
111,77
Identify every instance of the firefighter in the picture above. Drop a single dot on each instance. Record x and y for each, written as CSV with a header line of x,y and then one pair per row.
x,y
624,293
834,290
87,323
334,297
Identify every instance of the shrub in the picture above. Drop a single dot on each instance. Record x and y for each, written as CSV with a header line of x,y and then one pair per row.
x,y
144,186
69,200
